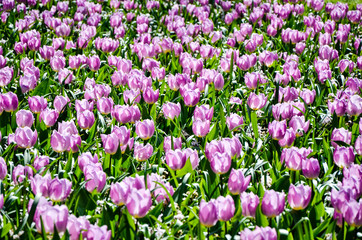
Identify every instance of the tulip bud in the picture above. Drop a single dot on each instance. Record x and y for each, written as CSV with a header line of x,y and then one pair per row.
x,y
171,110
20,173
49,117
176,159
110,143
343,156
141,152
220,163
3,169
85,119
273,203
225,208
249,204
299,197
310,168
105,105
37,104
201,128
59,189
257,102
24,118
59,142
25,137
9,101
145,129
96,179
237,182
119,192
139,202
341,134
277,129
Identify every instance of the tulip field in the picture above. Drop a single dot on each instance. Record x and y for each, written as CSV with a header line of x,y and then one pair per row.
x,y
189,119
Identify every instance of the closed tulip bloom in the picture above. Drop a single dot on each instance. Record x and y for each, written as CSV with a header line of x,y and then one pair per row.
x,y
265,233
193,156
220,163
354,105
85,119
237,183
208,213
177,143
74,62
119,192
219,82
139,202
225,208
308,96
249,203
132,96
273,203
293,158
59,142
311,168
84,104
95,232
203,112
25,137
191,97
234,121
53,216
86,159
59,189
76,226
9,101
122,113
57,63
142,152
94,63
105,105
65,76
171,110
3,169
352,213
341,134
24,118
277,129
40,184
339,198
145,129
96,180
343,156
150,96
60,103
135,113
37,103
288,138
358,145
20,173
338,106
49,117
299,125
176,159
257,102
299,196
110,143
201,128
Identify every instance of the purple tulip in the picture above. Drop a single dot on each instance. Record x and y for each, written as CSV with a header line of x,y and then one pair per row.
x,y
171,110
9,101
25,137
85,119
20,173
299,125
259,233
299,196
249,203
142,152
86,159
49,117
37,104
341,134
293,158
53,216
354,105
343,156
59,142
57,63
119,192
288,138
176,159
95,178
123,134
59,189
220,163
234,121
311,168
257,102
277,129
83,105
60,103
237,183
3,169
110,143
24,118
76,226
105,105
95,232
122,113
150,96
208,213
6,74
177,143
273,203
225,208
145,129
201,128
94,63
139,202
193,156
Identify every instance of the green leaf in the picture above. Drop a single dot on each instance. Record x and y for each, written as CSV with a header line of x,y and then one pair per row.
x,y
254,123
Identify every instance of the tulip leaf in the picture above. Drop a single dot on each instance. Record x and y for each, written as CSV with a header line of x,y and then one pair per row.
x,y
254,124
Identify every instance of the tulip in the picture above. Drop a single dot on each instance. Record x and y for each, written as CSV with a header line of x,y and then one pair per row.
x,y
237,183
293,158
299,196
225,208
201,128
220,163
59,189
84,104
57,63
105,105
203,112
40,184
219,82
65,76
110,143
343,156
177,143
85,119
20,173
171,110
49,117
310,168
37,103
191,97
119,192
249,204
277,129
273,203
1,201
145,129
208,213
193,156
141,152
95,232
122,113
288,138
9,101
86,159
94,63
299,125
25,137
354,105
139,202
3,169
341,134
259,233
352,213
59,142
60,102
96,179
257,102
53,216
76,226
176,159
24,118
